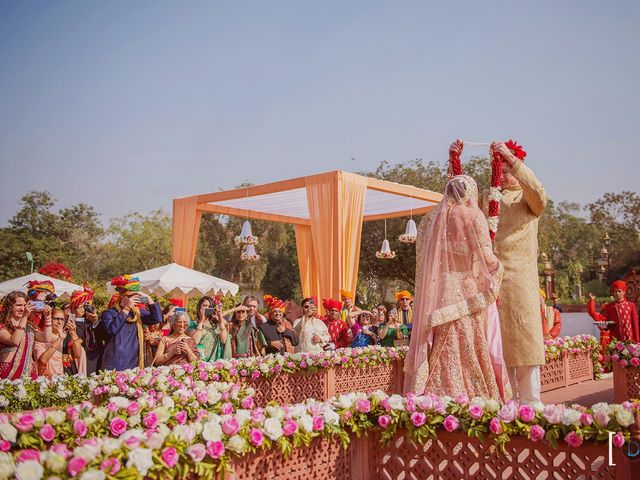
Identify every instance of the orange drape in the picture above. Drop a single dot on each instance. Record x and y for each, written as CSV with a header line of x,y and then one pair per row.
x,y
186,227
306,261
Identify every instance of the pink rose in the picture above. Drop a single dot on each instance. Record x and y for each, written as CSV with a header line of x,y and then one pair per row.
x,y
76,465
197,452
110,466
618,440
537,433
553,414
418,419
495,426
150,420
181,417
451,423
61,449
384,421
573,439
247,403
256,437
476,412
170,456
615,357
601,418
230,426
133,408
386,405
623,363
47,432
257,415
527,413
508,412
80,428
117,426
226,409
28,454
203,376
635,361
318,424
25,422
215,449
133,442
586,419
290,427
462,399
5,445
363,405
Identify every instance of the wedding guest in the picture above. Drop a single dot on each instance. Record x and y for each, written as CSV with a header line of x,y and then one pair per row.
x,y
621,312
404,305
254,316
549,314
392,330
63,354
339,331
246,340
212,333
311,331
177,348
364,333
277,331
87,322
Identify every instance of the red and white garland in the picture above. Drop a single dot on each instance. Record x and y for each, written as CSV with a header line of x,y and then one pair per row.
x,y
495,191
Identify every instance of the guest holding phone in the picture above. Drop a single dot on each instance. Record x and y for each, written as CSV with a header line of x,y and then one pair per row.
x,y
62,355
122,325
18,335
177,348
212,331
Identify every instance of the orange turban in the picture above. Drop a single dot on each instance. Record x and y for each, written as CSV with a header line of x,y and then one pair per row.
x,y
79,297
403,294
344,294
274,303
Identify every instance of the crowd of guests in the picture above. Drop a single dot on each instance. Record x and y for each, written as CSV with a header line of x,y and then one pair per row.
x,y
38,338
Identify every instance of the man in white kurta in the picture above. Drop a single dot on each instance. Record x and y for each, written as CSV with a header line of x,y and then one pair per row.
x,y
516,246
311,331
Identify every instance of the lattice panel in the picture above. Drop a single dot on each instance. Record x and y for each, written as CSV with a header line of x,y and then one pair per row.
x,y
289,388
366,379
324,459
455,456
580,367
632,376
552,375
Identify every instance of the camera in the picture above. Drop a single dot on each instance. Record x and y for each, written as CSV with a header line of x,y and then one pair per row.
x,y
89,308
144,300
209,312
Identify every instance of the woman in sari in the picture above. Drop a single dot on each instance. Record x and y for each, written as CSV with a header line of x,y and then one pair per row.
x,y
64,353
177,348
393,330
246,340
18,336
212,332
456,346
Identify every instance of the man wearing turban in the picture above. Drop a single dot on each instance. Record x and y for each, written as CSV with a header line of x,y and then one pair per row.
x,y
621,311
404,307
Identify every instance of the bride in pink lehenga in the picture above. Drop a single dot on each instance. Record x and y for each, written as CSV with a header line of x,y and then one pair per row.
x,y
456,346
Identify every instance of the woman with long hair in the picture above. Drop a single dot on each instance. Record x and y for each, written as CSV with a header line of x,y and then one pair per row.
x,y
18,336
212,331
246,340
177,348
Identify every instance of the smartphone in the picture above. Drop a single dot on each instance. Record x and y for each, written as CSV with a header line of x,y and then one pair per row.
x,y
180,309
209,312
143,300
37,305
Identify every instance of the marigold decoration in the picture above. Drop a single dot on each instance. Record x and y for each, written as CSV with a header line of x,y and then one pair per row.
x,y
250,254
494,193
56,270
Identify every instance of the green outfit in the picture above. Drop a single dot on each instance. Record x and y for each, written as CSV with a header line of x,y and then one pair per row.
x,y
210,346
390,337
248,341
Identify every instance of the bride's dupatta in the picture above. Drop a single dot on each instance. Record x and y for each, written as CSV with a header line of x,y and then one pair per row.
x,y
457,276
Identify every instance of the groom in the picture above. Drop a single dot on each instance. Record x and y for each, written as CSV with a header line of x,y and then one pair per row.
x,y
516,246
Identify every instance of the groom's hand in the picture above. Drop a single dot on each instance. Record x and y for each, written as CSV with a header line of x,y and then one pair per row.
x,y
504,152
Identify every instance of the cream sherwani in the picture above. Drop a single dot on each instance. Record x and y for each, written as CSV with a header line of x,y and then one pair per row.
x,y
306,328
516,246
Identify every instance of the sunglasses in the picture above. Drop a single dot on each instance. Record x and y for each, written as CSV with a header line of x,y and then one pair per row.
x,y
308,305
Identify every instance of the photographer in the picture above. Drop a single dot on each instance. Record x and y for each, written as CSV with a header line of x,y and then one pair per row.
x,y
41,295
122,324
61,355
86,320
212,331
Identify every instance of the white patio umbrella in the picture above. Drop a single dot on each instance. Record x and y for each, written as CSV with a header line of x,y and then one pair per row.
x,y
63,289
176,279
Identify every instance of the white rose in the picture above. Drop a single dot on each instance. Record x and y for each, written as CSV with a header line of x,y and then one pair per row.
x,y
55,417
93,474
345,401
7,465
55,462
164,430
120,402
237,444
30,470
100,413
155,441
570,417
134,420
601,406
168,402
110,445
88,452
298,410
8,432
264,368
492,405
141,459
212,432
397,402
624,417
275,412
538,407
379,395
185,433
306,423
331,417
213,395
243,416
273,428
479,401
163,414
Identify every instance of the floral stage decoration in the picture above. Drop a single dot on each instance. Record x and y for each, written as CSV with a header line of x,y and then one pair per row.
x,y
627,354
556,347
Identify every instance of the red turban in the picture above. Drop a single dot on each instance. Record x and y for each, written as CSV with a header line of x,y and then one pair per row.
x,y
79,297
331,303
34,287
618,285
274,303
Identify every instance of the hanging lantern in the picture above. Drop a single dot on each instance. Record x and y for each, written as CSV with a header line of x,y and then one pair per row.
x,y
246,236
385,252
250,253
410,233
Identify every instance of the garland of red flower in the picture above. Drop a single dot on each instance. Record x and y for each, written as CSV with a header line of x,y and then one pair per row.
x,y
55,270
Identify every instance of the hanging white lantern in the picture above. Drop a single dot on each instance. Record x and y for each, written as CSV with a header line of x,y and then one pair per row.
x,y
410,233
246,236
250,253
385,251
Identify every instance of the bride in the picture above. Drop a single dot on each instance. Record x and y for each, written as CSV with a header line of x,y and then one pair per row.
x,y
456,347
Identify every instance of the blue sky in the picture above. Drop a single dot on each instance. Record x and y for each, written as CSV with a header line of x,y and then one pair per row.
x,y
126,105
